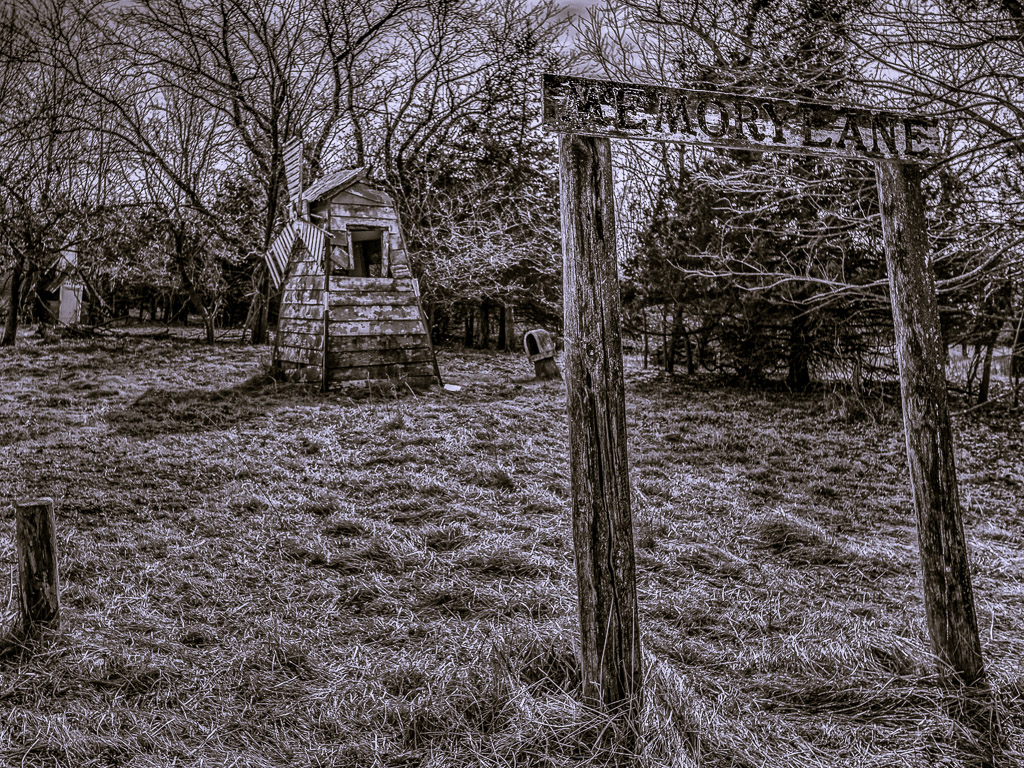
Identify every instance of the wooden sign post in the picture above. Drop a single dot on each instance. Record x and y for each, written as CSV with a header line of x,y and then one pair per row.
x,y
948,595
586,113
601,517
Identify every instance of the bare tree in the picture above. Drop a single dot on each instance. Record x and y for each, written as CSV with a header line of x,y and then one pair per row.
x,y
963,62
47,178
459,144
269,70
877,55
191,140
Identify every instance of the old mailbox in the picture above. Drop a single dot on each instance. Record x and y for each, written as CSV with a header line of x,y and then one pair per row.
x,y
540,347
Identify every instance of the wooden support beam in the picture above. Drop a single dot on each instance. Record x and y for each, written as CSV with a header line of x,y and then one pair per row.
x,y
948,597
429,331
325,381
373,343
39,582
602,521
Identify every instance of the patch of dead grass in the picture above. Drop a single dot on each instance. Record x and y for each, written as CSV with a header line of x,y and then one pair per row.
x,y
260,575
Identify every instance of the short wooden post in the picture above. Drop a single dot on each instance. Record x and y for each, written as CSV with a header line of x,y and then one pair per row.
x,y
510,328
948,597
602,522
37,564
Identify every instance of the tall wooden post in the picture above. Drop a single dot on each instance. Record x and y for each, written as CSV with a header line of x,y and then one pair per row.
x,y
37,564
601,517
325,346
948,597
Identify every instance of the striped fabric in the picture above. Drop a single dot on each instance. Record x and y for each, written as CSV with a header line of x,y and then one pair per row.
x,y
293,168
279,253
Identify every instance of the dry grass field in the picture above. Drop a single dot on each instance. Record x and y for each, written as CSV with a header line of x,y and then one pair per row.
x,y
255,574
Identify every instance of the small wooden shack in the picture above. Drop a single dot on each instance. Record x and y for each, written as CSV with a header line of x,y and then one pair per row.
x,y
57,291
60,289
350,307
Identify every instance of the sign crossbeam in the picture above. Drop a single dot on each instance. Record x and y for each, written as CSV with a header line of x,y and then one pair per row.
x,y
591,107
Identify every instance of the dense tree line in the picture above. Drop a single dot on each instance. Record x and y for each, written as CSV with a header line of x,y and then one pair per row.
x,y
773,266
148,139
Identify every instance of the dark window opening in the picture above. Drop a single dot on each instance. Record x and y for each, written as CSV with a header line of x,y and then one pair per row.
x,y
367,252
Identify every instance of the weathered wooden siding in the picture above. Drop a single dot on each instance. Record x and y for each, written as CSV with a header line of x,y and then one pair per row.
x,y
403,356
341,220
301,325
346,313
396,372
376,332
375,326
351,344
369,284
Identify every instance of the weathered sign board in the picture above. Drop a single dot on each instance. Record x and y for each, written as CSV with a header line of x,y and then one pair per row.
x,y
721,119
587,114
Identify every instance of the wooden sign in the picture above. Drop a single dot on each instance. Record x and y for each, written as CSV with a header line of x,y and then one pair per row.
x,y
587,114
719,119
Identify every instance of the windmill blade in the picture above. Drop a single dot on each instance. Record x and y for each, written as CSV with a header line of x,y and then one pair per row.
x,y
293,168
280,251
314,237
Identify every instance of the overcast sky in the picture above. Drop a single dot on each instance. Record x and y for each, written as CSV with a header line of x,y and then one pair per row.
x,y
578,6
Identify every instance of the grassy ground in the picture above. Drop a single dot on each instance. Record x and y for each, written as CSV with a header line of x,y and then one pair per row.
x,y
258,575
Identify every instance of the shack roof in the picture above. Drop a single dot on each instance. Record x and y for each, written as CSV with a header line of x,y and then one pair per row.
x,y
333,183
64,267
